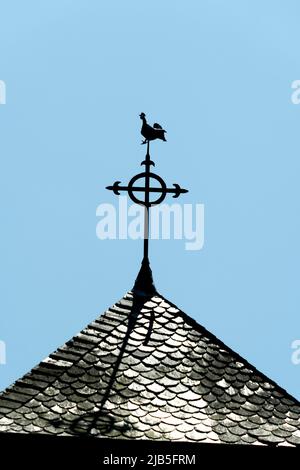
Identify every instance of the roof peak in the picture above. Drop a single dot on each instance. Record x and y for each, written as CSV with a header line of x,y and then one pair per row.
x,y
144,284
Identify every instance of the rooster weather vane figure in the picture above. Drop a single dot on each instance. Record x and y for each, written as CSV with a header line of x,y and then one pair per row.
x,y
161,189
151,133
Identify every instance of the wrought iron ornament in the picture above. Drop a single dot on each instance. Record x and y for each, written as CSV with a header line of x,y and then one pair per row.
x,y
150,133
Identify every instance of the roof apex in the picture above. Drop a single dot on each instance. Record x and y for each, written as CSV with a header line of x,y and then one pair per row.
x,y
144,284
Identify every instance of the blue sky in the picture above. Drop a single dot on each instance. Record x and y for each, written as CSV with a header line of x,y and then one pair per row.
x,y
218,76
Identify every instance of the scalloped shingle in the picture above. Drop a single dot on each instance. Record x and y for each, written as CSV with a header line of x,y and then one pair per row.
x,y
145,370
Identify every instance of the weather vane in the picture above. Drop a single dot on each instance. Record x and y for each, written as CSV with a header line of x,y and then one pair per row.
x,y
149,133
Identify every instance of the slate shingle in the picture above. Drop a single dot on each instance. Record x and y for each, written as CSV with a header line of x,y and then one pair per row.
x,y
145,370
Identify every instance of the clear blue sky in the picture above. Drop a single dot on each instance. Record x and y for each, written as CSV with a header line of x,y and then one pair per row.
x,y
218,76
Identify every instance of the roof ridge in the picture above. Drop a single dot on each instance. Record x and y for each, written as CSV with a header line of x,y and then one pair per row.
x,y
218,341
44,362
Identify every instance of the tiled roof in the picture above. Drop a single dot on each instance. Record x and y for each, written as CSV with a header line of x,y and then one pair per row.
x,y
145,370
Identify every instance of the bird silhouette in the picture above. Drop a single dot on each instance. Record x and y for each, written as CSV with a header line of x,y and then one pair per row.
x,y
151,133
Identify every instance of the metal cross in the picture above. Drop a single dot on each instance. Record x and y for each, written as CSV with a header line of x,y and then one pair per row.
x,y
147,189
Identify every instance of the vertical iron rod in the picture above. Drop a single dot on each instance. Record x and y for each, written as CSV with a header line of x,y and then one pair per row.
x,y
147,205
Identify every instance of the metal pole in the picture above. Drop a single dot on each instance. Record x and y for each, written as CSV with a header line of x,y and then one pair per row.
x,y
147,205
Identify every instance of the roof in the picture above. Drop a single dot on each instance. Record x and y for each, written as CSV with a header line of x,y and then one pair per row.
x,y
146,370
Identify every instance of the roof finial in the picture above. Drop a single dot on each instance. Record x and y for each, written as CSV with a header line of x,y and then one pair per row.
x,y
144,280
